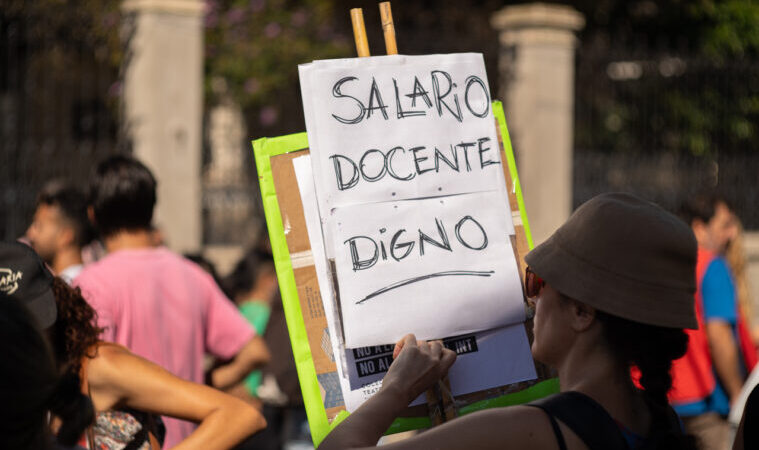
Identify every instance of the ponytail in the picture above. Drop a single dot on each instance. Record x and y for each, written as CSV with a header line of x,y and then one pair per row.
x,y
651,349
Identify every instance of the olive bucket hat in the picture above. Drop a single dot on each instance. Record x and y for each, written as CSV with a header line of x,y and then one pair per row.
x,y
624,256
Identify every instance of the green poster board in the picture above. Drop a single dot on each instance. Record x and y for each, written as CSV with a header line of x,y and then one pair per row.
x,y
267,148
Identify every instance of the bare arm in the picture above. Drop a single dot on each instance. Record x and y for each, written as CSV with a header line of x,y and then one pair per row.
x,y
416,368
724,351
253,355
120,379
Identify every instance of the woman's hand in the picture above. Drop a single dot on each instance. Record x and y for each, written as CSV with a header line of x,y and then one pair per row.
x,y
417,366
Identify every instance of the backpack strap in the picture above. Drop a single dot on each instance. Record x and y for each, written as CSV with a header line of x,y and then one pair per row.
x,y
586,418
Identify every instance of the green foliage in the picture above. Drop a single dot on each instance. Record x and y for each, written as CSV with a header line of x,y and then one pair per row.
x,y
57,27
696,85
253,49
732,28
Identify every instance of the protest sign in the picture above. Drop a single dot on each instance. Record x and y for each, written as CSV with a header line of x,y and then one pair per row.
x,y
325,385
399,127
494,367
501,358
407,262
405,161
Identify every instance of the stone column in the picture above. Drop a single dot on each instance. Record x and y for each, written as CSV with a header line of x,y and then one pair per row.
x,y
536,67
163,99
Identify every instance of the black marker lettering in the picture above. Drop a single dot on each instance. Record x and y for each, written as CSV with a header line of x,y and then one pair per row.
x,y
390,169
439,102
465,146
444,243
449,273
452,164
382,171
341,184
337,93
399,108
375,94
359,264
482,150
418,159
394,245
419,91
382,245
457,230
469,82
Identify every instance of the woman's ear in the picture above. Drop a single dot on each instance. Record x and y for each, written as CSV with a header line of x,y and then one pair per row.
x,y
582,315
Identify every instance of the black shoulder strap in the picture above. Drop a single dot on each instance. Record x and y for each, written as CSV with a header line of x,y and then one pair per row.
x,y
556,431
586,418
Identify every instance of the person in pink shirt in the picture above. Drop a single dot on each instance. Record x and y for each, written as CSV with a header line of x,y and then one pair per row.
x,y
155,302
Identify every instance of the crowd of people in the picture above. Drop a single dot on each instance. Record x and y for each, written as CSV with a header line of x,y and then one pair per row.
x,y
130,326
107,341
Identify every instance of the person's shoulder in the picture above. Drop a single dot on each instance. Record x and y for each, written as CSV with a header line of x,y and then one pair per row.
x,y
108,360
718,270
719,263
522,426
110,353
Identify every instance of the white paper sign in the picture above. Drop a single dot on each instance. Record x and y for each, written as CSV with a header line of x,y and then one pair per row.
x,y
353,396
438,267
409,143
485,360
399,127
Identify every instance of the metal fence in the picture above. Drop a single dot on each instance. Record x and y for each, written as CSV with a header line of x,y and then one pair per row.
x,y
666,125
668,178
57,114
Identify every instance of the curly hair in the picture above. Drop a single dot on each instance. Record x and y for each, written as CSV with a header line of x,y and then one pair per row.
x,y
75,332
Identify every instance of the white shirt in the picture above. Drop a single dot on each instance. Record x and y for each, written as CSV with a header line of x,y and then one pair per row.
x,y
69,273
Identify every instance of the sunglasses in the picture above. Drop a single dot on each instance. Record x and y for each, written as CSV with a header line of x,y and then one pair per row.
x,y
532,283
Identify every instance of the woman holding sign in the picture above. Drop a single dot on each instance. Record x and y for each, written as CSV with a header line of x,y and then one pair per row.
x,y
614,289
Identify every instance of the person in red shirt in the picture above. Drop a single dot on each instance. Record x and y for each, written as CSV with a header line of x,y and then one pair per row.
x,y
720,353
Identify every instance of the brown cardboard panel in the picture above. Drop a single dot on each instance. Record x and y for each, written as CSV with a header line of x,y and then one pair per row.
x,y
314,318
290,204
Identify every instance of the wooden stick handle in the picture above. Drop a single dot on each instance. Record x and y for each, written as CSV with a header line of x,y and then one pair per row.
x,y
388,28
359,32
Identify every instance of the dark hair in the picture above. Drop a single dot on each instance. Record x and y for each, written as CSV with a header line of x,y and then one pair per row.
x,y
702,207
74,334
205,264
651,349
32,386
72,204
122,195
243,277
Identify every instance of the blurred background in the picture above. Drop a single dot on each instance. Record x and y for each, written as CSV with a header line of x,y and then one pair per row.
x,y
660,98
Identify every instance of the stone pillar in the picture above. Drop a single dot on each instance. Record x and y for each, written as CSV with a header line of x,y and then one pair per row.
x,y
536,67
163,99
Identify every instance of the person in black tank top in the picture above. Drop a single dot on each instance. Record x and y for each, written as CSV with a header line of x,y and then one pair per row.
x,y
613,289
